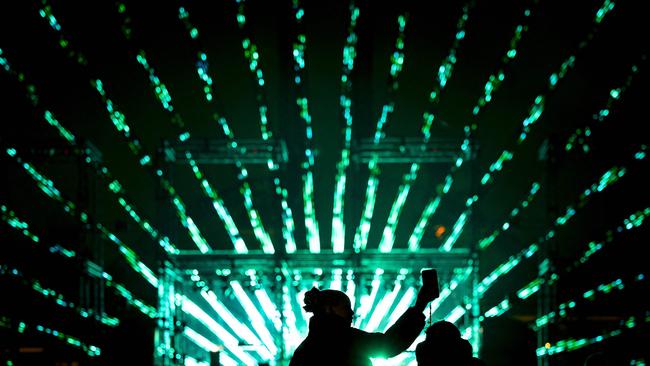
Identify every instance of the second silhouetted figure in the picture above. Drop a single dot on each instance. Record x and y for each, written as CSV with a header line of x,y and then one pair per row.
x,y
333,341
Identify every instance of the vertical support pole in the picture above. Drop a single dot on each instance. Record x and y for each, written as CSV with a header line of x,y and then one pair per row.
x,y
164,334
475,299
476,340
546,299
91,289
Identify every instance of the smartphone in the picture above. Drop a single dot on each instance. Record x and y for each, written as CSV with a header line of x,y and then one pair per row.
x,y
430,281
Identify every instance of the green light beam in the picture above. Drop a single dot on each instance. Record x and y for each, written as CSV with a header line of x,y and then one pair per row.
x,y
609,178
88,349
491,86
92,269
535,113
47,186
581,136
240,329
230,342
252,56
590,295
572,344
367,301
256,319
58,298
403,305
397,62
633,221
253,215
345,103
444,74
485,242
298,51
119,121
163,96
382,308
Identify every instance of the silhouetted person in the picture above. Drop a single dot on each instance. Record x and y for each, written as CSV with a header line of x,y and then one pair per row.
x,y
332,340
444,346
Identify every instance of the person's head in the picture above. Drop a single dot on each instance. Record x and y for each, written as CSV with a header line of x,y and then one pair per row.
x,y
442,330
331,302
443,346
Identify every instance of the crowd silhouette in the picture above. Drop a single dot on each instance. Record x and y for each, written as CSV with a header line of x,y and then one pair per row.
x,y
333,341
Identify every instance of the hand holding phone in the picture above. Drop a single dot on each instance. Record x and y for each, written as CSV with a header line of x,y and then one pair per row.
x,y
430,283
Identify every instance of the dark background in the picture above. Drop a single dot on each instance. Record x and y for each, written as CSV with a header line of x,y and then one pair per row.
x,y
555,30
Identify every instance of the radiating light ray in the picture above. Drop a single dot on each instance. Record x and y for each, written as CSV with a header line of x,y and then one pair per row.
x,y
367,301
200,340
456,231
345,103
610,177
46,185
240,329
404,303
256,319
382,308
202,66
397,63
456,314
535,113
229,341
119,121
572,344
485,242
270,310
89,349
443,75
351,289
57,297
290,333
253,58
191,361
166,102
580,137
298,51
633,221
92,269
590,295
337,279
492,85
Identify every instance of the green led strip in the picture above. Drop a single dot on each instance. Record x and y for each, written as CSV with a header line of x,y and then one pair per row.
x,y
535,112
22,327
240,329
47,186
163,96
590,295
581,136
114,186
298,51
217,202
634,220
119,121
252,57
485,242
571,344
537,107
345,102
58,298
397,62
491,86
444,74
610,177
92,269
